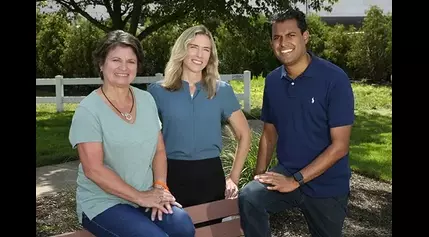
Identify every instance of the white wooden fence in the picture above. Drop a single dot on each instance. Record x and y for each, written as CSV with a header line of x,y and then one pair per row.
x,y
60,99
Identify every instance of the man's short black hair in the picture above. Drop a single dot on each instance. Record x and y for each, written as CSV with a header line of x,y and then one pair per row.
x,y
288,14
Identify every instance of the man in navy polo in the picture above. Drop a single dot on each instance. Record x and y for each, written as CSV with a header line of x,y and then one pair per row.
x,y
308,112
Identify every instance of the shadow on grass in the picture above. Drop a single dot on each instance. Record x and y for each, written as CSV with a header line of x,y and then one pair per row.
x,y
371,145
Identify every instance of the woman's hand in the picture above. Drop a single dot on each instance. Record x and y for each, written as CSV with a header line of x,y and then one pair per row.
x,y
155,198
231,189
167,205
157,211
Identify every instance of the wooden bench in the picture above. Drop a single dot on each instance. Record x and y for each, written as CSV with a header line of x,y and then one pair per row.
x,y
227,209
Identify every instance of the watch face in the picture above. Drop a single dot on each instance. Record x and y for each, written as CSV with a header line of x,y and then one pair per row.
x,y
298,177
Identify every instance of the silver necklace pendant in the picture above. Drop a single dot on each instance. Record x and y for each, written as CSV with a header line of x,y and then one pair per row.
x,y
127,116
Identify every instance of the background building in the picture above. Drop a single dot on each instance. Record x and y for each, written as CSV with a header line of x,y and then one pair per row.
x,y
349,12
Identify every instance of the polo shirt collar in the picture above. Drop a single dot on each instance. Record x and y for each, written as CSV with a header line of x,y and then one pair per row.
x,y
310,71
186,84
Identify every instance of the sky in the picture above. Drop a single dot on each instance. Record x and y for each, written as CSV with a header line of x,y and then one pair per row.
x,y
341,8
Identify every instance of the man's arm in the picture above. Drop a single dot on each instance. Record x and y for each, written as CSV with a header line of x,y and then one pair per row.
x,y
267,143
338,149
340,119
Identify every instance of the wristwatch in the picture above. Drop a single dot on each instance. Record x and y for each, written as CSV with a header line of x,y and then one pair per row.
x,y
298,178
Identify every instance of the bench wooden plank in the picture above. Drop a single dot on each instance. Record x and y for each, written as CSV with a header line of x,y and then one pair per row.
x,y
224,229
79,233
213,210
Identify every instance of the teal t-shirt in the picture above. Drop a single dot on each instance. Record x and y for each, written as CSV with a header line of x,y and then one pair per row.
x,y
128,148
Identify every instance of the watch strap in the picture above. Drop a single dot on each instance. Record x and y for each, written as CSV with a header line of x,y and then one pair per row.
x,y
299,178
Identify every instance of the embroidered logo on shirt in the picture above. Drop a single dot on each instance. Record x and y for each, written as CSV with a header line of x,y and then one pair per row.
x,y
312,100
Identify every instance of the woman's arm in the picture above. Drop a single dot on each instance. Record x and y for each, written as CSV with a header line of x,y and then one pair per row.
x,y
91,157
159,164
241,130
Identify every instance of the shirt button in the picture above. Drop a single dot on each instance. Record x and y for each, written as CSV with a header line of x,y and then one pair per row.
x,y
293,83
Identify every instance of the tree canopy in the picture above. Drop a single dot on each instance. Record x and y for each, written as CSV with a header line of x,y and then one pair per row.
x,y
142,17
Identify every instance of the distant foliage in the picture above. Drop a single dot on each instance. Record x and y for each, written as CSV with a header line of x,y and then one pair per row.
x,y
370,55
64,45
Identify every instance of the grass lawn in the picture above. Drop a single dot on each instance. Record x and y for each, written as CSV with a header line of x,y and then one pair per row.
x,y
371,142
52,130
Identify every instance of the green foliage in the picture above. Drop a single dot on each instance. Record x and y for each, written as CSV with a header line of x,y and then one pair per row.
x,y
131,15
338,43
243,44
80,42
371,53
247,47
51,32
318,30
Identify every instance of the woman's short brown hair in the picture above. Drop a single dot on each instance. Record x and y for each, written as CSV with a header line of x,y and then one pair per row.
x,y
112,40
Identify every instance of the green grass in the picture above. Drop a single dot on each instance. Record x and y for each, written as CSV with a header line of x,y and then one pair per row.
x,y
371,141
52,129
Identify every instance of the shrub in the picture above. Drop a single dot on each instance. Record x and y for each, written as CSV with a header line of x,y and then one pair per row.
x,y
228,155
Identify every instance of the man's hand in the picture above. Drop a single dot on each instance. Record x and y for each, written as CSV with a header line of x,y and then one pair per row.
x,y
231,190
278,182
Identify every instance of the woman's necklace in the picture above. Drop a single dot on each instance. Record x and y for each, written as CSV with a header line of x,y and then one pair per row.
x,y
128,116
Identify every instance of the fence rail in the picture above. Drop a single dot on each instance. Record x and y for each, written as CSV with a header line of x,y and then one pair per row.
x,y
59,81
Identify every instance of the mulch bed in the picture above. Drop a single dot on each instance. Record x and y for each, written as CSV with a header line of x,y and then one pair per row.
x,y
370,213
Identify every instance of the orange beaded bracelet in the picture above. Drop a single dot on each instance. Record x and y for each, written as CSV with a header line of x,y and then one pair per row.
x,y
164,185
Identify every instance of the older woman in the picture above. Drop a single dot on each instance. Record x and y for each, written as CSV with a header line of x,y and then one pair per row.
x,y
122,173
192,103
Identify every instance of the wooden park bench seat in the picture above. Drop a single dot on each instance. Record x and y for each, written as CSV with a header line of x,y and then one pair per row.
x,y
226,209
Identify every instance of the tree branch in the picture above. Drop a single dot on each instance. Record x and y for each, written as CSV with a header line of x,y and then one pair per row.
x,y
116,17
72,6
106,3
135,16
158,25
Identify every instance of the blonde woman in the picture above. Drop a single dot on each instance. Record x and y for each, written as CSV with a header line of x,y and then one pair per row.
x,y
192,102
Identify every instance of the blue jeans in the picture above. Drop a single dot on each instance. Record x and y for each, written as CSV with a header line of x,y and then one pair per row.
x,y
126,221
324,216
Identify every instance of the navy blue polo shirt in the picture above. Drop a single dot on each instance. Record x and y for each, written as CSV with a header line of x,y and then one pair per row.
x,y
303,110
191,126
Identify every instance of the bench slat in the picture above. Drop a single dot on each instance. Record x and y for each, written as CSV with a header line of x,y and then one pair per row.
x,y
213,210
79,233
224,229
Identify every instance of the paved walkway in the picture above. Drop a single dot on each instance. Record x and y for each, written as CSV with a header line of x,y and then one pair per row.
x,y
50,179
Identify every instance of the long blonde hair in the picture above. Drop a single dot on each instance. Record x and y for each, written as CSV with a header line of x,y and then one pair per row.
x,y
173,70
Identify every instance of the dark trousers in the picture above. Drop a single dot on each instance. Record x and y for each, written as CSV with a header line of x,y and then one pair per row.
x,y
325,216
196,182
126,220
